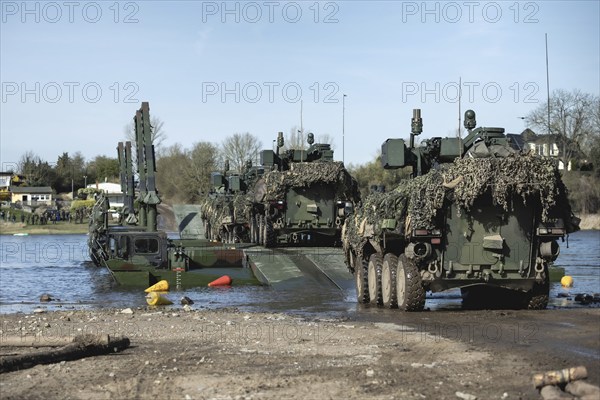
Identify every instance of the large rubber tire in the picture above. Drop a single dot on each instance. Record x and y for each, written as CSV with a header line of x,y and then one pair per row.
x,y
270,237
253,229
409,289
388,281
374,278
261,230
208,231
361,280
538,297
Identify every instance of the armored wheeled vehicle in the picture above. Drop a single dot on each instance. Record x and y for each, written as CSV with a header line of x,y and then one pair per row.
x,y
225,210
477,214
303,199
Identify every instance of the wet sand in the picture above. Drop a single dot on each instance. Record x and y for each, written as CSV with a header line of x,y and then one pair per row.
x,y
228,354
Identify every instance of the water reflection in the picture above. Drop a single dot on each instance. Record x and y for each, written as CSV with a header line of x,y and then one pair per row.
x,y
33,265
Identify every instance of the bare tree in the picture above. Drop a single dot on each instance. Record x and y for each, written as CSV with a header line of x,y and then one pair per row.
x,y
571,122
158,133
295,139
37,172
184,174
172,175
203,160
240,147
325,138
596,116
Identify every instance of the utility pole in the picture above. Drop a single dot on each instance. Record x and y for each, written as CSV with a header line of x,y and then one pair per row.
x,y
547,84
344,129
459,132
301,127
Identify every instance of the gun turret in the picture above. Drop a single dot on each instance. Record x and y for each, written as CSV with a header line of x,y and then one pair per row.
x,y
437,150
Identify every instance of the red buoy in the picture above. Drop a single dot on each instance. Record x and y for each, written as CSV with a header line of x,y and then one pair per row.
x,y
225,280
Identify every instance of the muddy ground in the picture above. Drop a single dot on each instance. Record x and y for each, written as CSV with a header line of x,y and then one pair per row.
x,y
227,354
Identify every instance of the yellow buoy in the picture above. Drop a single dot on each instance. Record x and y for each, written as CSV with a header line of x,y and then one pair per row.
x,y
160,286
567,281
157,299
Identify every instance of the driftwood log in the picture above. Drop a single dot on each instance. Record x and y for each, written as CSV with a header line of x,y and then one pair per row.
x,y
36,341
82,346
559,377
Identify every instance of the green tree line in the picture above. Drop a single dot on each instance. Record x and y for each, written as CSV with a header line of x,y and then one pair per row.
x,y
68,172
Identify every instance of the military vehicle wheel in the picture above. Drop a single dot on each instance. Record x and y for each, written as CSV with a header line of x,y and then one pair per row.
x,y
261,229
538,296
388,281
410,291
253,229
361,280
374,278
269,233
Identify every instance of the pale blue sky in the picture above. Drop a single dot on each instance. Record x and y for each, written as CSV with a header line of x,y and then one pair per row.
x,y
380,54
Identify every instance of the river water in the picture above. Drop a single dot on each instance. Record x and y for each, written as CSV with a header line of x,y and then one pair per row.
x,y
59,265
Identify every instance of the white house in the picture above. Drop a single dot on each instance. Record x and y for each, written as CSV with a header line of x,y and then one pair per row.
x,y
548,150
5,178
113,191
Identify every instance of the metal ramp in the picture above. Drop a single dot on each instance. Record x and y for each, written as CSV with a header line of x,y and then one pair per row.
x,y
189,223
291,267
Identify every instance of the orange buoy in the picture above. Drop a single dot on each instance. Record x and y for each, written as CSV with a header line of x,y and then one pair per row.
x,y
161,286
225,280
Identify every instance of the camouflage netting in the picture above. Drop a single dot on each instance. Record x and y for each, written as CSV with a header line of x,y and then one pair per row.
x,y
277,183
416,202
224,209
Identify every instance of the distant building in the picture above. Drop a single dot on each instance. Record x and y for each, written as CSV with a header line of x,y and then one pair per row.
x,y
545,145
112,191
542,145
5,178
8,180
32,195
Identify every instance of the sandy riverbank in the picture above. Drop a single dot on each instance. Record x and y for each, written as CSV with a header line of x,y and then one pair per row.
x,y
226,354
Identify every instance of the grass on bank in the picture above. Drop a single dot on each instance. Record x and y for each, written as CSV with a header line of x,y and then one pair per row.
x,y
10,228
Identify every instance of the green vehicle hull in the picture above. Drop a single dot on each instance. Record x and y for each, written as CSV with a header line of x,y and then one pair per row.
x,y
132,275
138,258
